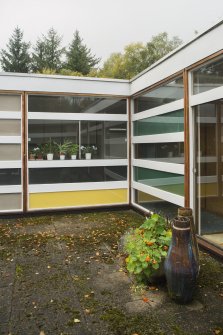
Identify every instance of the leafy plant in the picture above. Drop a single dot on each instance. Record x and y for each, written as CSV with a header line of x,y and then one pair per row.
x,y
73,149
48,147
147,246
64,147
88,149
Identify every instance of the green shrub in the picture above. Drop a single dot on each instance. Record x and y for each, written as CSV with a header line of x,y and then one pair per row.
x,y
147,246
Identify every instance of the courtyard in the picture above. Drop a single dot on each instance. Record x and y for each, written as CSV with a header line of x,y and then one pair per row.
x,y
64,274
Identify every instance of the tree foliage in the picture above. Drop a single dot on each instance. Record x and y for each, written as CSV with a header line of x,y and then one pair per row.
x,y
48,52
137,57
16,57
79,57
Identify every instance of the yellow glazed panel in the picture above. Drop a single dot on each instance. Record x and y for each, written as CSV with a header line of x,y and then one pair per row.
x,y
77,198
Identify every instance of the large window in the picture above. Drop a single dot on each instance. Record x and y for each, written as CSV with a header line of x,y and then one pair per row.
x,y
208,76
77,174
162,95
170,182
76,104
172,152
165,123
108,137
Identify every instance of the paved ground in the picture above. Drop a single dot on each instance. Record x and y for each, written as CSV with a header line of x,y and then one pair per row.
x,y
64,275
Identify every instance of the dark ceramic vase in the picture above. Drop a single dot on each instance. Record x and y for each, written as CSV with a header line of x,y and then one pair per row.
x,y
181,267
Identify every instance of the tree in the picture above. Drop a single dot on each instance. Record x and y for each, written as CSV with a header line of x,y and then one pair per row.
x,y
137,57
16,57
79,57
48,52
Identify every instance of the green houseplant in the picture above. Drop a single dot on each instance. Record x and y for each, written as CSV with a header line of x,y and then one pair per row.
x,y
147,247
63,148
73,150
88,150
48,149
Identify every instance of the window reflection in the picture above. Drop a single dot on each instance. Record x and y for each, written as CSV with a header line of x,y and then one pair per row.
x,y
162,152
165,94
208,77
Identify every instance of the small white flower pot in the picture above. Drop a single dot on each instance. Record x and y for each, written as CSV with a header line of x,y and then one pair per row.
x,y
49,157
88,155
73,156
62,157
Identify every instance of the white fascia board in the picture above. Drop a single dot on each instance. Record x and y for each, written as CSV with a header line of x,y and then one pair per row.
x,y
204,97
202,46
76,116
160,166
170,197
10,115
10,164
171,107
10,189
45,188
159,138
60,84
10,139
76,163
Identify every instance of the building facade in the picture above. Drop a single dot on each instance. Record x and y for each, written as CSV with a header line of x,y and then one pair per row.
x,y
155,141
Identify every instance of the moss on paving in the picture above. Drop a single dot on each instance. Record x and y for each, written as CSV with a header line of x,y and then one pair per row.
x,y
68,260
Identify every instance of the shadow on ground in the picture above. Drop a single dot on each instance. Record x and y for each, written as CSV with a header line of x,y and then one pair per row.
x,y
65,274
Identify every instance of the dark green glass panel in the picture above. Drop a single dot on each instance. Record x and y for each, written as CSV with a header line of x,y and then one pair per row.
x,y
166,181
166,123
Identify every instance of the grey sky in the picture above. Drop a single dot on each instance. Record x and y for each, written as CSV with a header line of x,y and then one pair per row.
x,y
107,26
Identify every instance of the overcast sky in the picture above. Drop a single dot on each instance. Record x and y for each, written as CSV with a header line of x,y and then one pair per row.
x,y
107,26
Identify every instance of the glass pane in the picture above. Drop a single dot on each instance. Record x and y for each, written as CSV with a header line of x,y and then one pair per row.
x,y
208,77
76,104
209,169
170,182
10,201
10,176
10,128
166,123
44,132
77,174
109,137
10,103
163,152
9,152
156,205
160,96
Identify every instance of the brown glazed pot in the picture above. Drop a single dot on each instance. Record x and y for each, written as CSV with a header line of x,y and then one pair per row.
x,y
181,267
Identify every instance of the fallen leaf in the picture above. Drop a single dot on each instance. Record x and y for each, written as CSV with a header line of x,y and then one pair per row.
x,y
76,321
145,299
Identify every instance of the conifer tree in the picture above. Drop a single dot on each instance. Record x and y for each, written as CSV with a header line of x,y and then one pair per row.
x,y
16,58
79,57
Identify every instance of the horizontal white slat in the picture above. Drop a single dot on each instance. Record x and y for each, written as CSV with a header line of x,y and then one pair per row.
x,y
170,197
11,189
10,139
167,108
10,115
77,116
159,138
109,185
161,166
10,164
76,163
211,95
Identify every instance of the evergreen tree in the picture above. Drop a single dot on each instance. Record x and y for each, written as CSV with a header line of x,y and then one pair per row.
x,y
16,57
79,57
48,52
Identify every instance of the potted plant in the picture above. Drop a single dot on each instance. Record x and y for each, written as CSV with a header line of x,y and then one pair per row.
x,y
73,150
48,149
63,148
88,150
147,248
36,153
